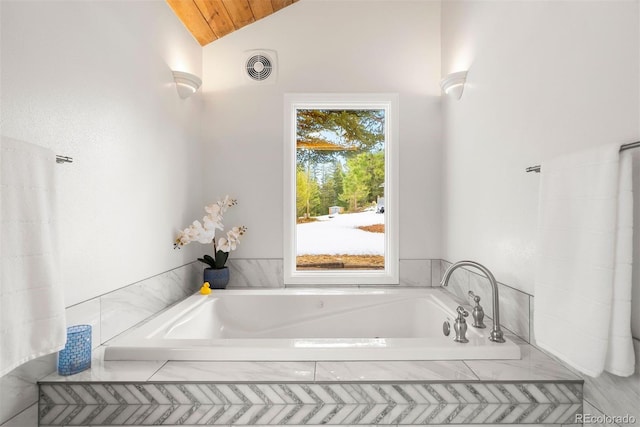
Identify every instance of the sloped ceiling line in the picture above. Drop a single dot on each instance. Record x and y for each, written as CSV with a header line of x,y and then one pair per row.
x,y
209,20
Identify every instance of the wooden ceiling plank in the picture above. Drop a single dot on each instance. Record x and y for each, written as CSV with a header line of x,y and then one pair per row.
x,y
280,4
216,15
239,11
191,17
260,8
208,20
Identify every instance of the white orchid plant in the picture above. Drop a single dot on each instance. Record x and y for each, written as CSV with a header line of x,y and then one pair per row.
x,y
205,232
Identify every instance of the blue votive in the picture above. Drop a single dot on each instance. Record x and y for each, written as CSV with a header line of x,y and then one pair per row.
x,y
76,355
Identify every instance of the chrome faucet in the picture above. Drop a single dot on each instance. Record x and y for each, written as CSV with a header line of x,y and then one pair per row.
x,y
496,334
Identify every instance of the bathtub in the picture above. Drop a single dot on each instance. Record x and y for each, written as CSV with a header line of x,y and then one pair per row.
x,y
308,324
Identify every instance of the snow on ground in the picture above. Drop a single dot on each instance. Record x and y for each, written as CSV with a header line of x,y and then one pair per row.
x,y
340,235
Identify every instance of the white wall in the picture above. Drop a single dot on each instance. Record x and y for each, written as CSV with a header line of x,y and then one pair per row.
x,y
545,78
92,80
635,313
325,46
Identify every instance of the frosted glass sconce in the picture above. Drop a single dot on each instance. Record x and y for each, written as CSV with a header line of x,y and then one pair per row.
x,y
453,84
186,83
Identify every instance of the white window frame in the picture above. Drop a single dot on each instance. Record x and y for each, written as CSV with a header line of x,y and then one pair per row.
x,y
385,101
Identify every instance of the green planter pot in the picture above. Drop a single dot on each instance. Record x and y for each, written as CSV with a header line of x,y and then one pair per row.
x,y
218,278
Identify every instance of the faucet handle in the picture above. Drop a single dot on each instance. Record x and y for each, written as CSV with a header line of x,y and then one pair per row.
x,y
478,312
475,297
460,325
462,312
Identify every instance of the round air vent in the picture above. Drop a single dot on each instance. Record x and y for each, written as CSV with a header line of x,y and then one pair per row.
x,y
259,67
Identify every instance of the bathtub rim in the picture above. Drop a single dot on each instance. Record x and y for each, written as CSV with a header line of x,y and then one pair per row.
x,y
119,347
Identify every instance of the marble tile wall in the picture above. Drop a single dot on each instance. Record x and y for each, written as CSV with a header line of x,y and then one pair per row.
x,y
268,273
256,273
126,307
310,403
607,394
109,315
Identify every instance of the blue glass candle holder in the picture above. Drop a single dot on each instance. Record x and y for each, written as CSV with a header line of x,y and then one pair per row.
x,y
76,355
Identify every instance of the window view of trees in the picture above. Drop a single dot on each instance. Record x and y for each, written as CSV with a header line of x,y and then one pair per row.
x,y
340,160
340,170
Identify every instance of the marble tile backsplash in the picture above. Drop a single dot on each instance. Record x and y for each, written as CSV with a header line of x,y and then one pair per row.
x,y
126,307
269,273
415,272
256,273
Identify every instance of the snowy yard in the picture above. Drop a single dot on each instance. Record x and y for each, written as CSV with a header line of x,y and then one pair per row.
x,y
340,235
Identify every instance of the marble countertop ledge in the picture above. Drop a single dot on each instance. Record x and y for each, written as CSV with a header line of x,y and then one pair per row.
x,y
532,367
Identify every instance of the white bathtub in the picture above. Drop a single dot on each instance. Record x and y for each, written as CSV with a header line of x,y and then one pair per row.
x,y
308,324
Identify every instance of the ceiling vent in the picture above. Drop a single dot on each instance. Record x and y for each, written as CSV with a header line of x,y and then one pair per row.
x,y
260,66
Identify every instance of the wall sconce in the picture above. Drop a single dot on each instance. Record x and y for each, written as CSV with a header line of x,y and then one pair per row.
x,y
186,83
453,84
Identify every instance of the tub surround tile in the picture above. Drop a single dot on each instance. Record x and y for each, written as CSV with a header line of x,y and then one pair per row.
x,y
18,389
256,273
268,273
308,403
269,393
483,392
514,305
534,365
436,272
515,311
235,371
87,313
614,395
590,410
178,283
124,308
394,371
415,272
458,283
26,418
107,371
532,336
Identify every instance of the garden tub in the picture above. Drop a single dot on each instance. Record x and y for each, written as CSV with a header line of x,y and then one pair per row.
x,y
308,324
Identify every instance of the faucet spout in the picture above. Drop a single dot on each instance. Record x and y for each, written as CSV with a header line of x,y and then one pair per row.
x,y
496,334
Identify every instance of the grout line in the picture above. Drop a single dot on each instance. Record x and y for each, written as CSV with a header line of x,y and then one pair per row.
x,y
584,399
23,411
157,370
100,317
530,323
471,369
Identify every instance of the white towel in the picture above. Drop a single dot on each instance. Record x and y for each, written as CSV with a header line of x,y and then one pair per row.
x,y
32,312
582,311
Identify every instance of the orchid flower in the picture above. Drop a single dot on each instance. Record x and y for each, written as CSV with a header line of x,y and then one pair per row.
x,y
204,232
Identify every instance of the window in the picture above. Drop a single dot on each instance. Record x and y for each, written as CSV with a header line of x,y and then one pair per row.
x,y
340,190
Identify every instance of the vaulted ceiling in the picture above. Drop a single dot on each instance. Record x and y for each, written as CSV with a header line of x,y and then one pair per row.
x,y
208,20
